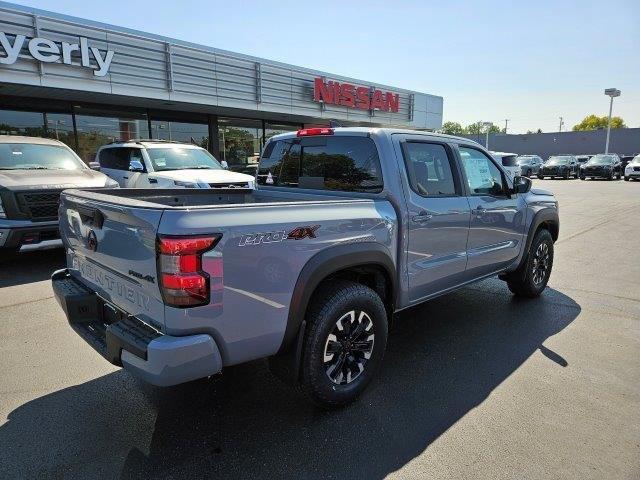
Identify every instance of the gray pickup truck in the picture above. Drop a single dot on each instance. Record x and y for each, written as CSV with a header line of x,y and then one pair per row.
x,y
346,227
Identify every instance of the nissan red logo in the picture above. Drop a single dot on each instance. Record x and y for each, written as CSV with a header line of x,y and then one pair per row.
x,y
92,241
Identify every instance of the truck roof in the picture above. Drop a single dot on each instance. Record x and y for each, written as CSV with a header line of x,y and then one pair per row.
x,y
391,131
31,140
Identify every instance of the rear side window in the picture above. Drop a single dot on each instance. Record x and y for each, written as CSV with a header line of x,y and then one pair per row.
x,y
341,163
429,169
115,158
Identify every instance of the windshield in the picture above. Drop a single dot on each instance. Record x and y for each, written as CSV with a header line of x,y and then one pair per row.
x,y
601,160
524,160
27,156
558,160
636,160
181,158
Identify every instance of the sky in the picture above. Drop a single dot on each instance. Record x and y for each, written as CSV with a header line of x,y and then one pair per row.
x,y
530,62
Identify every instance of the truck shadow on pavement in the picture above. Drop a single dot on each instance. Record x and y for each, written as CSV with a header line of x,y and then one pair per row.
x,y
444,358
30,267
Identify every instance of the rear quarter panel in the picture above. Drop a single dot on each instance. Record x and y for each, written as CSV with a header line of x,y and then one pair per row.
x,y
254,268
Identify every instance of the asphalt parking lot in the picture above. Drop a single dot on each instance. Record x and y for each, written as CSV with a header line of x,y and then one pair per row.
x,y
475,384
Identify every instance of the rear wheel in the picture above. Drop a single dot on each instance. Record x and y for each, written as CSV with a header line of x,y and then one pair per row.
x,y
344,344
531,279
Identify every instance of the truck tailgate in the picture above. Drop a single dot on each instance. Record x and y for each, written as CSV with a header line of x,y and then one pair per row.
x,y
112,249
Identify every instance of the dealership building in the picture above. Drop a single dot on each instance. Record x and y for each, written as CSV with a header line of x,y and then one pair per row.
x,y
88,83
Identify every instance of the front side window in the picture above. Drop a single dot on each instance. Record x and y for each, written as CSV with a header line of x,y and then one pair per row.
x,y
25,156
341,163
115,158
483,177
182,158
429,169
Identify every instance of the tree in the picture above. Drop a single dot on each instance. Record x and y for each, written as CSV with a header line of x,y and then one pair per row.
x,y
594,122
477,129
452,128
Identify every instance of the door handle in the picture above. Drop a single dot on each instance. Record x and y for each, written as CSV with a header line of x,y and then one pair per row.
x,y
126,178
479,211
153,180
422,217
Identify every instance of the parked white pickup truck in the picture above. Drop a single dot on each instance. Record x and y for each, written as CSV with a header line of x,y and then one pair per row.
x,y
161,164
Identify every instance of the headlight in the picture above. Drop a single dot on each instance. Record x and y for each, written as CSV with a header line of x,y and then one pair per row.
x,y
2,212
251,184
178,183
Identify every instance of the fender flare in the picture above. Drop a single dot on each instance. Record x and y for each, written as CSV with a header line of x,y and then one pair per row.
x,y
285,364
545,215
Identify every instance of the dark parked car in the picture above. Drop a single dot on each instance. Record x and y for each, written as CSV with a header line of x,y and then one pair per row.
x,y
603,165
560,166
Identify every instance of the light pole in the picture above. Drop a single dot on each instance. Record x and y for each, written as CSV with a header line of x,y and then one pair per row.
x,y
488,126
610,92
506,124
561,124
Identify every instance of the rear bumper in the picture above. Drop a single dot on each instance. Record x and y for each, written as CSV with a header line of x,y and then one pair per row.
x,y
126,341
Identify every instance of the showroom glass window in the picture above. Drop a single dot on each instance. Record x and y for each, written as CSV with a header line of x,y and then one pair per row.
x,y
341,163
38,124
95,130
240,140
185,132
271,129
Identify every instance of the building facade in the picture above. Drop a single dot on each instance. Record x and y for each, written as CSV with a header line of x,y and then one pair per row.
x,y
88,83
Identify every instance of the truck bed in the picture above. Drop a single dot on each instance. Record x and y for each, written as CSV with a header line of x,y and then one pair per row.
x,y
197,198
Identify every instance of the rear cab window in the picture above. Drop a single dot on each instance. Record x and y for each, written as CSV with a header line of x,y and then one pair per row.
x,y
338,163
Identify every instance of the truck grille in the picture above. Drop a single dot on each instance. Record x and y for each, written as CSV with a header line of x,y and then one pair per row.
x,y
230,185
39,206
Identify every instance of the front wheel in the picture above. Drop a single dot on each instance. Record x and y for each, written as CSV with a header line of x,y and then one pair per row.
x,y
541,177
345,342
626,179
532,278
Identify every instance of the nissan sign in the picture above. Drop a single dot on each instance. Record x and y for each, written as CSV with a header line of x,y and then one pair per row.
x,y
48,51
349,95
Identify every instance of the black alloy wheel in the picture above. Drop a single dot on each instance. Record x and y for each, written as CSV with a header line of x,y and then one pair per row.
x,y
349,347
541,264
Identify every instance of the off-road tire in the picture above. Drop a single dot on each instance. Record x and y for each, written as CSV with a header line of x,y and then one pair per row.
x,y
521,283
330,303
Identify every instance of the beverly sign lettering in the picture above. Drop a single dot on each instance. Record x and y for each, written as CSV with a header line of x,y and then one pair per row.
x,y
349,95
48,51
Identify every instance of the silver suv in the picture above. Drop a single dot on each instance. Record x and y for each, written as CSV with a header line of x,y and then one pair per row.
x,y
529,164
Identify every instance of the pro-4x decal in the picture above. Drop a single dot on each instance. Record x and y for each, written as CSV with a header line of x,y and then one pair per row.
x,y
298,233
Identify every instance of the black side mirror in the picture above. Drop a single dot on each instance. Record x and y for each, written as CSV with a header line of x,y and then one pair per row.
x,y
521,184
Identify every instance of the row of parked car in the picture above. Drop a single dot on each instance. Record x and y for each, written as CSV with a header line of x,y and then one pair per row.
x,y
608,166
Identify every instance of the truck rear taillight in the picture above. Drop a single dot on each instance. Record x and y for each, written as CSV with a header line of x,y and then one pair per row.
x,y
183,282
308,132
